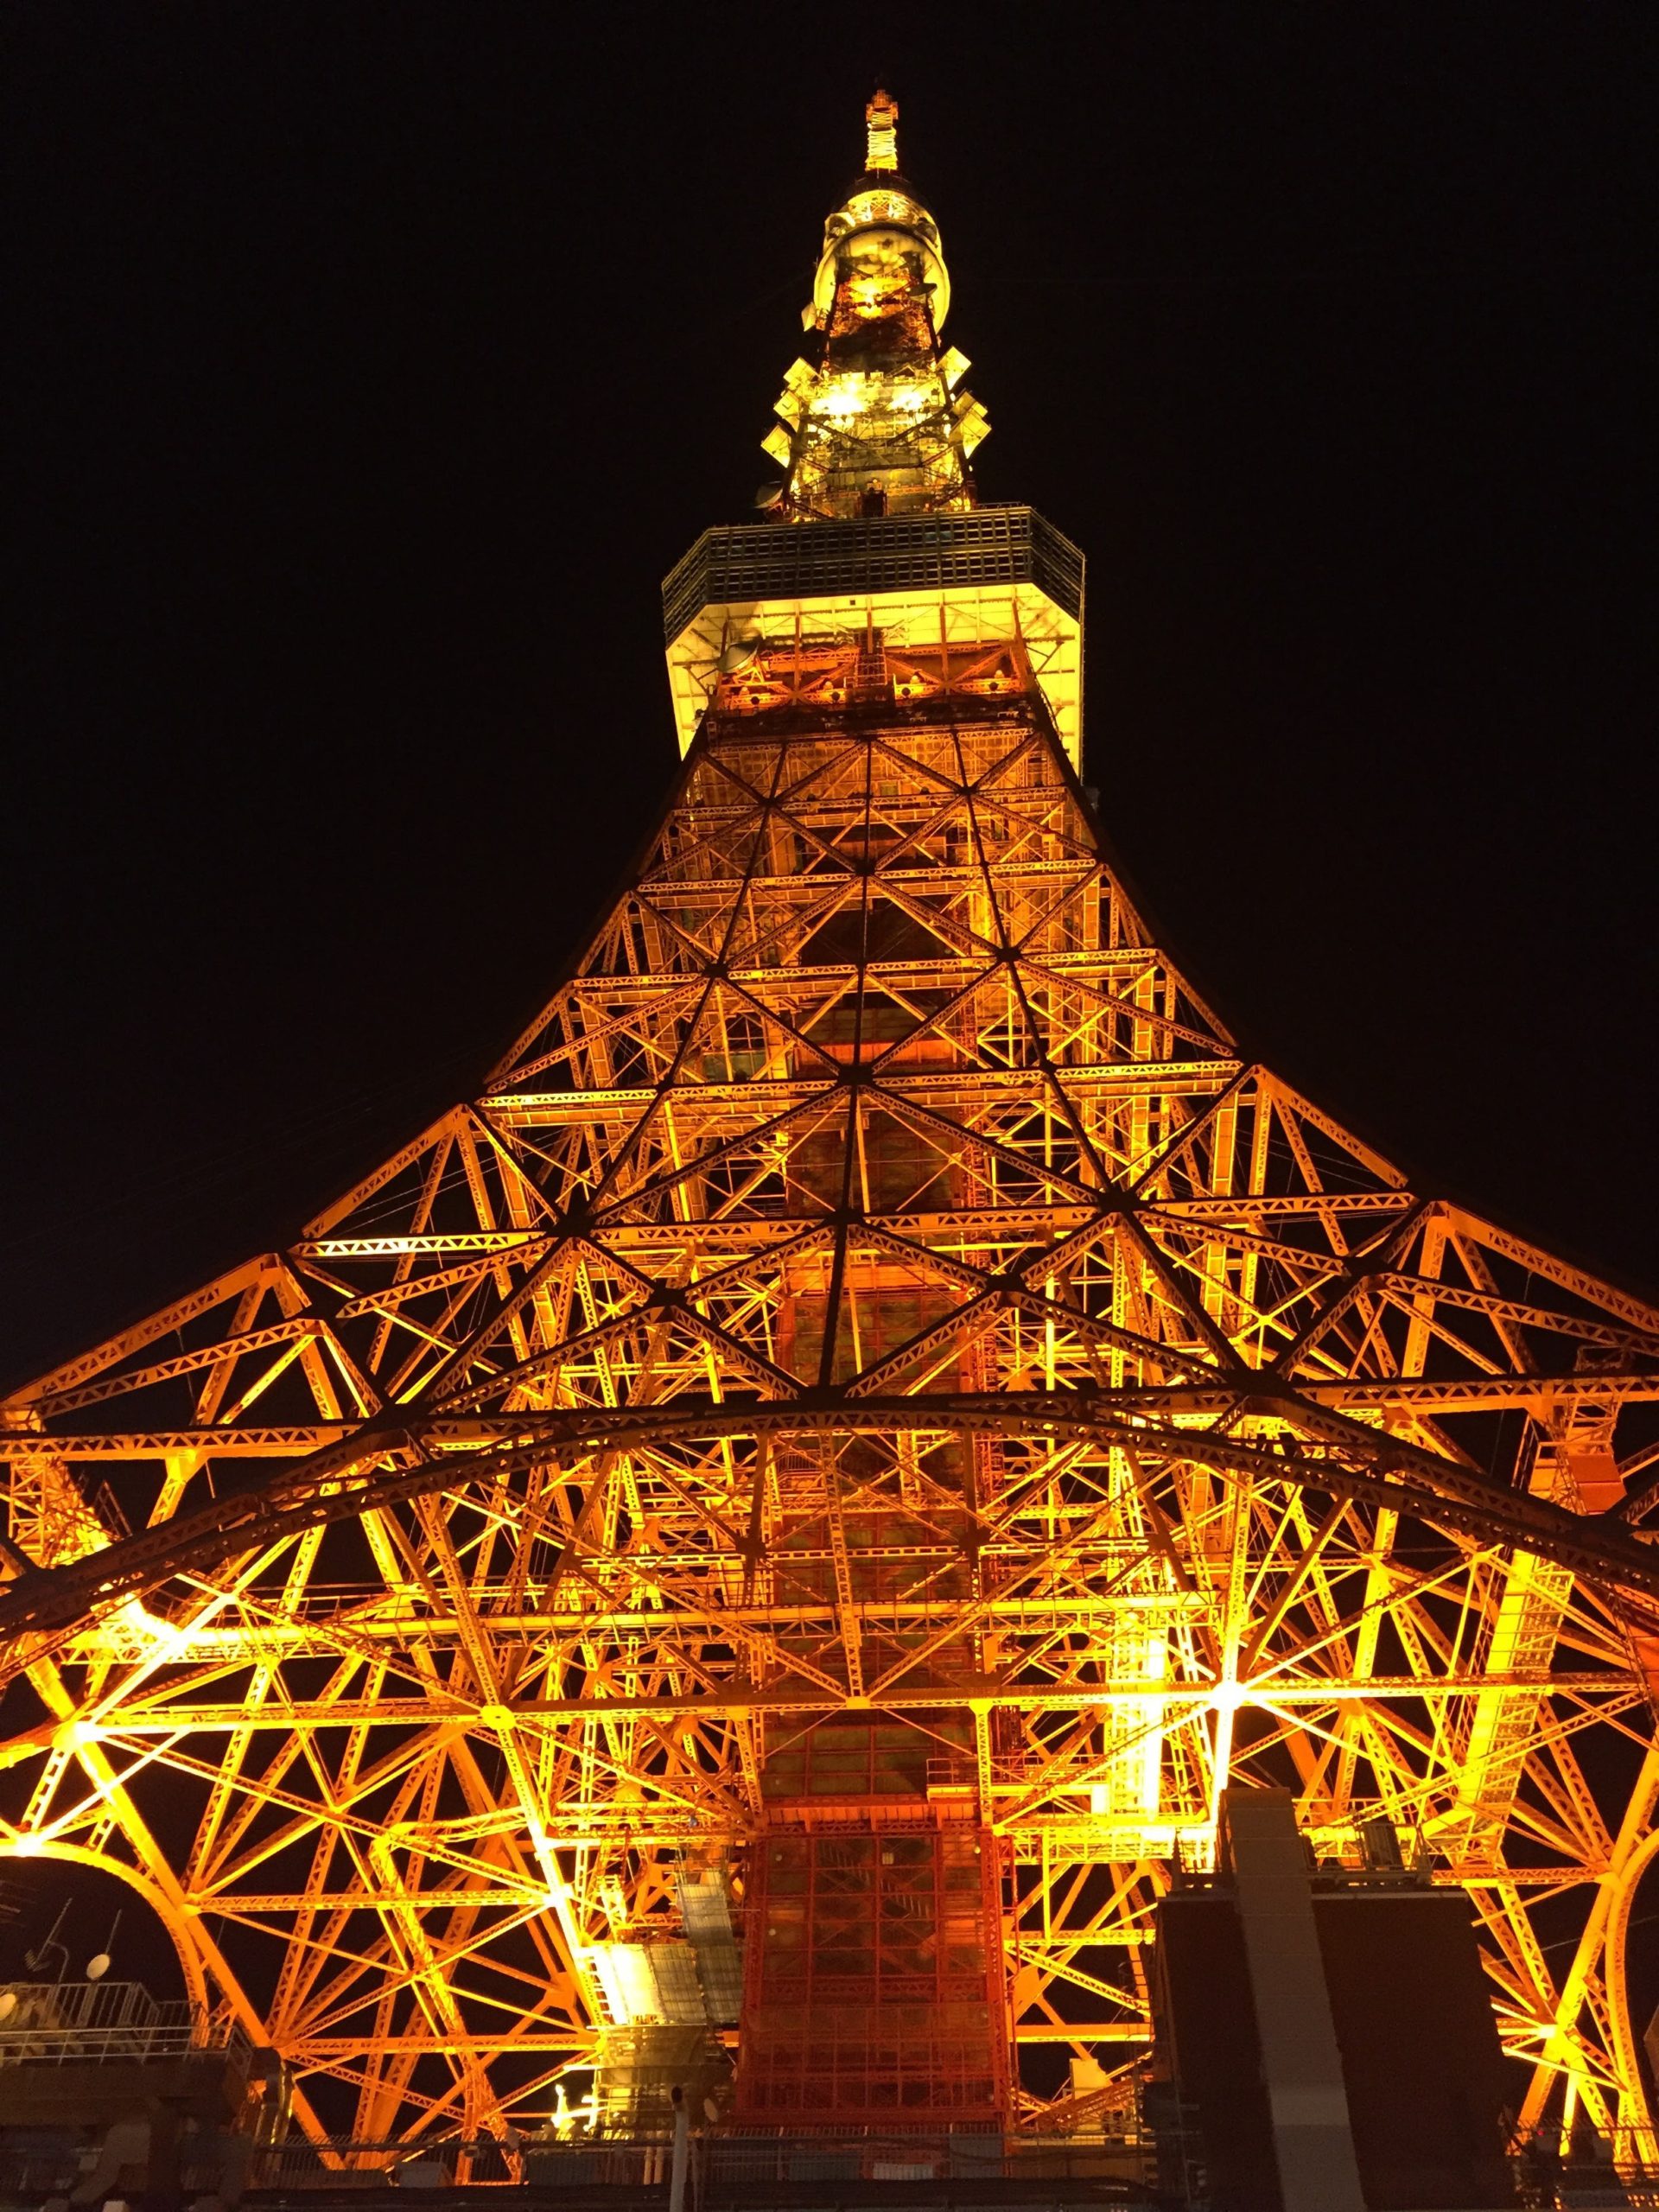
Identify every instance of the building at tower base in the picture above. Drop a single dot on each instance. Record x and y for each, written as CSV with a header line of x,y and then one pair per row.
x,y
1323,2039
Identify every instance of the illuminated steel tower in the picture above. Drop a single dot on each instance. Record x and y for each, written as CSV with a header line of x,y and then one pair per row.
x,y
750,1551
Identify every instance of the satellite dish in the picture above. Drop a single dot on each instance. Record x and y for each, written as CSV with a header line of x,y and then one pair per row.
x,y
97,1966
738,654
710,2110
8,2003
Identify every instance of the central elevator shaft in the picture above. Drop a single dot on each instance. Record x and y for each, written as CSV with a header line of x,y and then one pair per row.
x,y
874,1989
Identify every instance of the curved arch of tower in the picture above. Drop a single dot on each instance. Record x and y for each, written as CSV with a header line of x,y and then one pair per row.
x,y
758,1545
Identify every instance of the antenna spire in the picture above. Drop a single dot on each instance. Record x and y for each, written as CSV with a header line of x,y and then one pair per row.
x,y
881,134
870,422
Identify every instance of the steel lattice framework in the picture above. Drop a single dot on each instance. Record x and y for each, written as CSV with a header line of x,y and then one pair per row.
x,y
875,1363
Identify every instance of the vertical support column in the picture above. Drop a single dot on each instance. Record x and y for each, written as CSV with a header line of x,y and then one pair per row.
x,y
681,2152
1306,2098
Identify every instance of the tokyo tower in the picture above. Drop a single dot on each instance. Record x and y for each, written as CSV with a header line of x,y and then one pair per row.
x,y
751,1551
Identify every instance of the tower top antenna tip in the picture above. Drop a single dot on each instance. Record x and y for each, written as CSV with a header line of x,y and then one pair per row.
x,y
881,128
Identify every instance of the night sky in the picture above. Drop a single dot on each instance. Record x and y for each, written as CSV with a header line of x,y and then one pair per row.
x,y
369,364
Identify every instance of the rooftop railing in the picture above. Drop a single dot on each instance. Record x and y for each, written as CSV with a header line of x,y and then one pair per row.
x,y
983,548
103,2023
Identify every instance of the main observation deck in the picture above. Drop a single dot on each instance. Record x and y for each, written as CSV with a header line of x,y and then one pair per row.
x,y
983,575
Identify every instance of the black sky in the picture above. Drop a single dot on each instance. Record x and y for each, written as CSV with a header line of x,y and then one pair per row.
x,y
369,364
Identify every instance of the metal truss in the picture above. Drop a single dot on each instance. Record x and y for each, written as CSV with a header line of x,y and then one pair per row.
x,y
878,1411
873,1285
